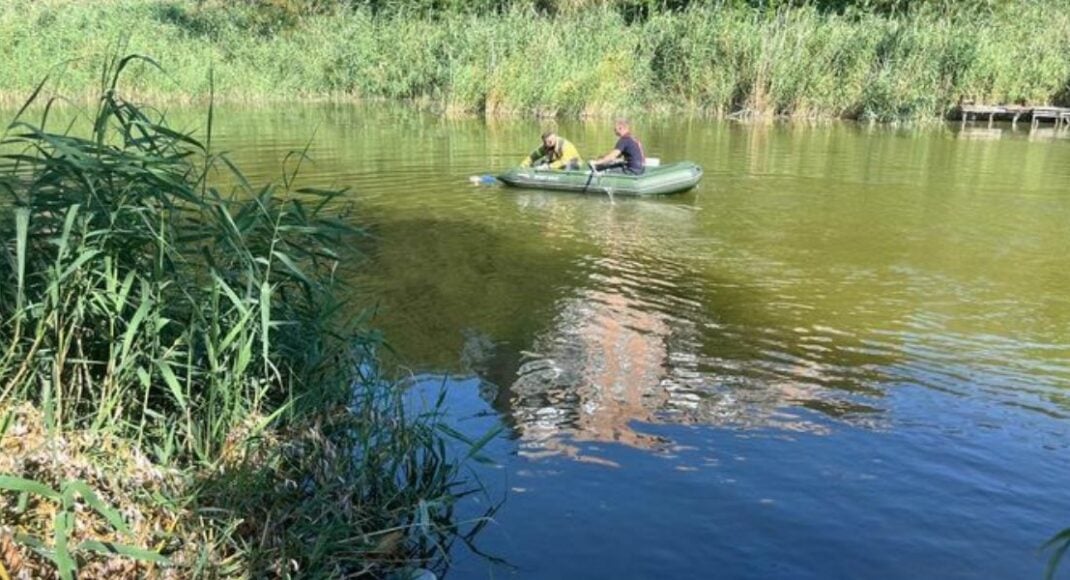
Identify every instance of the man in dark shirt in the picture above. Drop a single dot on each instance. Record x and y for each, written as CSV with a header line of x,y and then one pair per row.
x,y
627,155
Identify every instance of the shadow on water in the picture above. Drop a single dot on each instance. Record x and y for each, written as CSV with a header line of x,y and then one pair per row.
x,y
486,291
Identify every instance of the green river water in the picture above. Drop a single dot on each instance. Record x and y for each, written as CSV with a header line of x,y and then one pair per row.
x,y
846,354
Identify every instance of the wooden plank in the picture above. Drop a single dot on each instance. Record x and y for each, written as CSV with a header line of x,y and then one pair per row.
x,y
981,109
1012,113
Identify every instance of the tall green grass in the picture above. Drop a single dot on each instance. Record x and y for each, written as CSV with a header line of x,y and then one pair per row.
x,y
888,61
176,350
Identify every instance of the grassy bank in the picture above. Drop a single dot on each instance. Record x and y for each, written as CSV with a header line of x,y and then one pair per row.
x,y
806,60
180,394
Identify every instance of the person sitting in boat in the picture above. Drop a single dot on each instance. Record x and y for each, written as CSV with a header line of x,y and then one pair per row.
x,y
627,155
556,152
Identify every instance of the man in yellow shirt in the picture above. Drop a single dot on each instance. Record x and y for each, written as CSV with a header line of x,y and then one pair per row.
x,y
556,152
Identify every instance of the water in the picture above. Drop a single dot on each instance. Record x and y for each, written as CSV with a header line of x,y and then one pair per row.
x,y
845,355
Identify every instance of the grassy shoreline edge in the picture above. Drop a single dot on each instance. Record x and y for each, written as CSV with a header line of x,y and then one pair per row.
x,y
714,58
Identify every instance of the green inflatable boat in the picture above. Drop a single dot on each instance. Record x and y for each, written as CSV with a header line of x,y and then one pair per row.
x,y
659,180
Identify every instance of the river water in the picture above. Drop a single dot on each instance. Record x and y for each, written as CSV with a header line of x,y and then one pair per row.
x,y
846,354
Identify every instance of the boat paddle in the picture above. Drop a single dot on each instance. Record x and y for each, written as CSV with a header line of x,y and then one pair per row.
x,y
483,180
592,173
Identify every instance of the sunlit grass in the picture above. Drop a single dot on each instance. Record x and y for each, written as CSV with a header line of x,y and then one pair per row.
x,y
591,59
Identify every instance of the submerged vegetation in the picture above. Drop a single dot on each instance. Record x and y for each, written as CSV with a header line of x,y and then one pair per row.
x,y
885,60
179,392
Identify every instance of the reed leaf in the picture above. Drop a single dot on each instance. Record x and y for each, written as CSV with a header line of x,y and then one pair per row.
x,y
90,497
112,548
1058,544
63,526
22,485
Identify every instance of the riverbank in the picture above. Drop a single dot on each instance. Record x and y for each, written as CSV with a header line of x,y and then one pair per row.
x,y
712,59
178,396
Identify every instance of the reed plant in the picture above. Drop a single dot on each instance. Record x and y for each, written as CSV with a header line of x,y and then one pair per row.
x,y
879,60
885,61
173,357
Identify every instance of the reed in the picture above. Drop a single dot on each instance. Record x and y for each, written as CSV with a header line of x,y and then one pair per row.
x,y
174,357
886,61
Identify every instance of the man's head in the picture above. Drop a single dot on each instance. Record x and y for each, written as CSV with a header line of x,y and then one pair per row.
x,y
621,127
549,139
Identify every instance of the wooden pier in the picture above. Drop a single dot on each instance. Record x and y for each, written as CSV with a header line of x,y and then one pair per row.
x,y
1060,116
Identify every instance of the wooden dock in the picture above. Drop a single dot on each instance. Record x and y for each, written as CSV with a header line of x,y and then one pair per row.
x,y
1060,116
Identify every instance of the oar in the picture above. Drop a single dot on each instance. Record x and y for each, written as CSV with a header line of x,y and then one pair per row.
x,y
483,180
609,190
590,174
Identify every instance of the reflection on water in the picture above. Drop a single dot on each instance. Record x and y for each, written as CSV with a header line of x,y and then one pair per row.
x,y
1007,130
625,347
602,369
601,363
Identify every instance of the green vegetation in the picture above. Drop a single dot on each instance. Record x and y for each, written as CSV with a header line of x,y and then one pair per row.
x,y
1057,545
179,394
885,60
